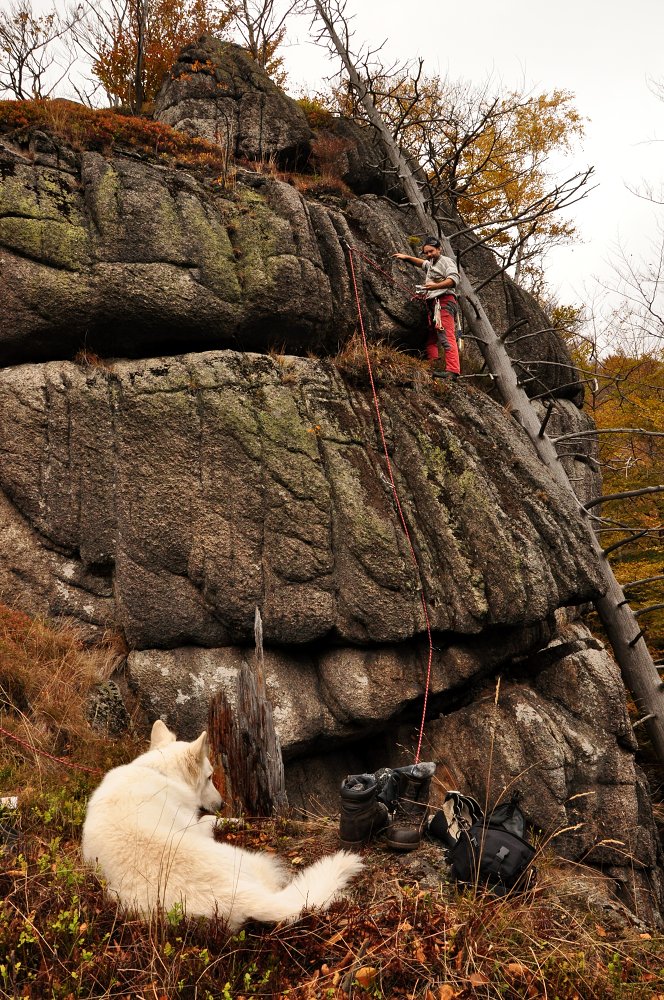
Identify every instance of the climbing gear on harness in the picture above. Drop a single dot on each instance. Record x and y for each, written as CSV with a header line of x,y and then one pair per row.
x,y
407,791
362,814
447,303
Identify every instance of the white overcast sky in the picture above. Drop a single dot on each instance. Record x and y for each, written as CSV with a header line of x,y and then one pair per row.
x,y
604,52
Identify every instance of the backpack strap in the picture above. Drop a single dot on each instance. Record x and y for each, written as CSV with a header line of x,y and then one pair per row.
x,y
458,813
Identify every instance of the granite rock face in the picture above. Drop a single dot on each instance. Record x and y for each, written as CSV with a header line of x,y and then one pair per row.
x,y
206,454
121,257
560,736
179,494
169,498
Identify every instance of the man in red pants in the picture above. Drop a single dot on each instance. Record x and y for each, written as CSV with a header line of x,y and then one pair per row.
x,y
439,287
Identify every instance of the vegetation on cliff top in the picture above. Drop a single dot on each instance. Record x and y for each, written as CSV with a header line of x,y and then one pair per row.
x,y
108,131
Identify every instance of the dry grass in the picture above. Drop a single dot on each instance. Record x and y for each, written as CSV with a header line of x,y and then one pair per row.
x,y
46,674
287,365
88,359
109,131
390,364
404,932
318,185
313,185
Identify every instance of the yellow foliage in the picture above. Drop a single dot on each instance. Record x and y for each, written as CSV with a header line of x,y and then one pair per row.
x,y
629,393
489,154
627,397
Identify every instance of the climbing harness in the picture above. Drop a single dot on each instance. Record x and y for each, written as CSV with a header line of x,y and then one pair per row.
x,y
395,493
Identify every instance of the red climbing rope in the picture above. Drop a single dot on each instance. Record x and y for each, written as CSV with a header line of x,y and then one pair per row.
x,y
377,267
45,753
395,493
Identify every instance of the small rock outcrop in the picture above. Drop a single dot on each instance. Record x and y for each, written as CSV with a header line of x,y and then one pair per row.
x,y
216,91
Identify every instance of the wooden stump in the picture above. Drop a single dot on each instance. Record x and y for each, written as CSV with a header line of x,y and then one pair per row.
x,y
245,744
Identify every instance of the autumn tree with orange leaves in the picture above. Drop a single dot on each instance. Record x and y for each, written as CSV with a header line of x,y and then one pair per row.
x,y
131,44
622,366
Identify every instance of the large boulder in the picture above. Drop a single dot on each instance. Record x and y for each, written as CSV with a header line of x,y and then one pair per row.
x,y
117,256
170,498
169,482
216,91
194,489
558,734
347,150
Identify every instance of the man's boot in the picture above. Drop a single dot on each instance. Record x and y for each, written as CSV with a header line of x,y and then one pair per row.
x,y
404,833
362,815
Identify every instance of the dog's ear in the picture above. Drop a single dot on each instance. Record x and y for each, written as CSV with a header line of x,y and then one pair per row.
x,y
199,747
161,735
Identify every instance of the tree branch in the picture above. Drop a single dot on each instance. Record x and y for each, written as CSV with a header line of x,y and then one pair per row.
x,y
621,496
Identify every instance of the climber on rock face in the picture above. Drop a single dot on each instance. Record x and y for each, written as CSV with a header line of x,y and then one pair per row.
x,y
439,288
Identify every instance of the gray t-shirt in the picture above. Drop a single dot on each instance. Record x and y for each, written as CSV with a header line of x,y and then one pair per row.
x,y
438,270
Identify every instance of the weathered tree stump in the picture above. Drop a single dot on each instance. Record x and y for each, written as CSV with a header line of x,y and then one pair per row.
x,y
245,745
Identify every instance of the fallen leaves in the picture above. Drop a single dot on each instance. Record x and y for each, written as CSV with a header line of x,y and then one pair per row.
x,y
447,992
478,979
365,976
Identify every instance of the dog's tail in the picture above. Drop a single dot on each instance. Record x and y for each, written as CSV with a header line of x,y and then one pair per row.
x,y
314,888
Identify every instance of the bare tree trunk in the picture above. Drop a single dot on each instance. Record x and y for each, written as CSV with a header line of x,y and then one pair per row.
x,y
631,652
139,94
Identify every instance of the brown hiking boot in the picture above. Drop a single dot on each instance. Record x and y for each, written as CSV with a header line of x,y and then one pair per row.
x,y
362,815
412,805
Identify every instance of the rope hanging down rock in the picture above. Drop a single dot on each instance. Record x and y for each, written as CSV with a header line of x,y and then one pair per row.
x,y
351,250
630,650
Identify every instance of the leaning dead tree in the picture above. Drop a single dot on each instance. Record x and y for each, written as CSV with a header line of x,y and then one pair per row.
x,y
622,628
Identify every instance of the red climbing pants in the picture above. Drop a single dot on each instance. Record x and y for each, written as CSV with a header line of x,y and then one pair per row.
x,y
442,335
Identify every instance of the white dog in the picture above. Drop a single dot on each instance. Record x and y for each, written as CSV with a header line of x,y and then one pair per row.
x,y
144,831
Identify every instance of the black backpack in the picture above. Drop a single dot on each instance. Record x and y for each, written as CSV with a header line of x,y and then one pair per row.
x,y
488,851
459,812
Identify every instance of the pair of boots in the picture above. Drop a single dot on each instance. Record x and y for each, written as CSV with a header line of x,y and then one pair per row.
x,y
391,801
